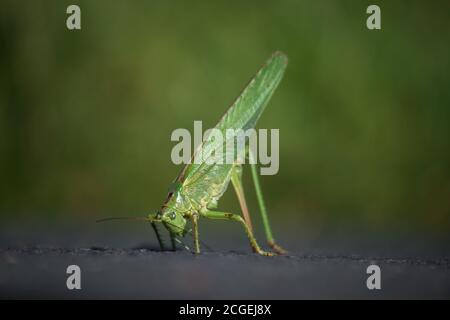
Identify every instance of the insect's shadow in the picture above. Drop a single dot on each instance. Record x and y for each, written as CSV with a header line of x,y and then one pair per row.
x,y
149,247
154,248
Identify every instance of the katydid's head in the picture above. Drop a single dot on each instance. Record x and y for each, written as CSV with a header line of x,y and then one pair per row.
x,y
173,221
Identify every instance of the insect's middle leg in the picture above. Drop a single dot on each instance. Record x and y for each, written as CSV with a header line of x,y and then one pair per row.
x,y
234,217
195,232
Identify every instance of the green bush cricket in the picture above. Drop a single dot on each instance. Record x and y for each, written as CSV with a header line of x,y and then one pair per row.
x,y
199,186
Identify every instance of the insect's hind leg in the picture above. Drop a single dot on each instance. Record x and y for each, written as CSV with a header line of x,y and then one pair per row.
x,y
236,180
262,208
234,217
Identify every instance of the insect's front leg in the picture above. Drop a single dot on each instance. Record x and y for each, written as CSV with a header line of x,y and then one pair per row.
x,y
158,236
172,241
194,220
234,217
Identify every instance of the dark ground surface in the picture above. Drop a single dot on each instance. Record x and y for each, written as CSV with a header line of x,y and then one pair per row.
x,y
117,264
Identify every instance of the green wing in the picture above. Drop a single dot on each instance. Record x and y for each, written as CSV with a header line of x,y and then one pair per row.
x,y
202,180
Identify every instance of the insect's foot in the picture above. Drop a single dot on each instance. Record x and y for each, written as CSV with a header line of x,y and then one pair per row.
x,y
278,249
266,253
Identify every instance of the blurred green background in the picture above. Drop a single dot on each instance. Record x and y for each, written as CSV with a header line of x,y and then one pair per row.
x,y
86,116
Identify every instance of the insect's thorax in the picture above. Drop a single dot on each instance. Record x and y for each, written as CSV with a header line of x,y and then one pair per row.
x,y
187,200
207,190
178,202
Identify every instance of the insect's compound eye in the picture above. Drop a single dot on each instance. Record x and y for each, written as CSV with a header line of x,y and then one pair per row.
x,y
172,215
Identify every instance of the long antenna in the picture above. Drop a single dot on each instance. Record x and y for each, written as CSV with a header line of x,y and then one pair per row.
x,y
124,218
